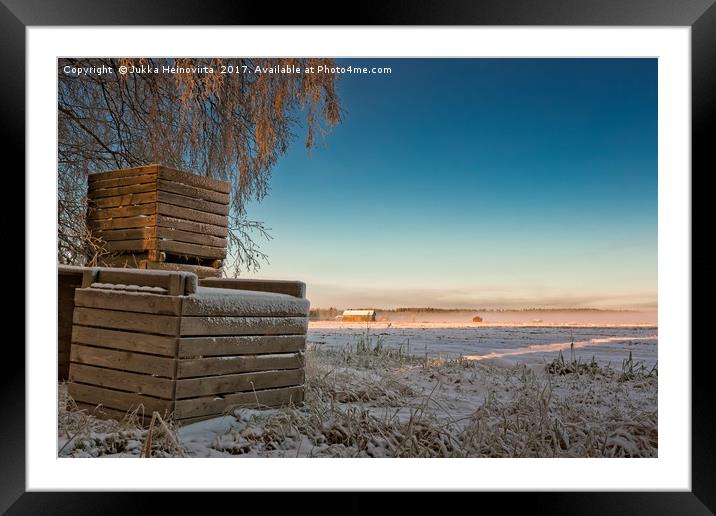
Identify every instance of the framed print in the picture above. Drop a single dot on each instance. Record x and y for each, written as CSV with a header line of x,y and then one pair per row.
x,y
450,256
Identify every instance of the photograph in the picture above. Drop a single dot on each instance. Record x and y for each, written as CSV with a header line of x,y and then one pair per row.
x,y
339,257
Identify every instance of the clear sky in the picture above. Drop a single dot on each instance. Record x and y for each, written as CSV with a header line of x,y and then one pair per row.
x,y
476,183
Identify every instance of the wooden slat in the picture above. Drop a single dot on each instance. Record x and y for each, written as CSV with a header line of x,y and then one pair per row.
x,y
124,360
127,234
170,210
193,191
121,212
147,278
128,301
118,400
217,405
191,202
141,221
214,302
193,180
131,245
95,194
190,237
291,288
196,387
246,345
125,340
201,326
100,184
193,367
122,380
68,279
194,227
125,172
123,200
183,248
112,319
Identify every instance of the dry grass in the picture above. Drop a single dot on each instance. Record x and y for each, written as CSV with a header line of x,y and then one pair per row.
x,y
82,434
369,401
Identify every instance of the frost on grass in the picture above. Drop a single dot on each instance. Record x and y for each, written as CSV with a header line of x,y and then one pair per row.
x,y
373,402
81,434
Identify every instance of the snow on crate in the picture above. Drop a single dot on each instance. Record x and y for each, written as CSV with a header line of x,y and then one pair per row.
x,y
164,342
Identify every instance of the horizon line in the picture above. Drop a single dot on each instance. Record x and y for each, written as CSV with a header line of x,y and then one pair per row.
x,y
494,309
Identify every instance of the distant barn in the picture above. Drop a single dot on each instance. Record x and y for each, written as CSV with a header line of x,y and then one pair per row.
x,y
358,315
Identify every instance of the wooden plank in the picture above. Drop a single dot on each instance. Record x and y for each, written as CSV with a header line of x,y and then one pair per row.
x,y
195,227
122,380
118,400
193,367
183,248
193,191
127,234
215,302
128,301
121,212
130,277
113,319
96,194
99,184
291,288
190,237
68,280
130,245
125,340
123,200
196,387
202,326
245,345
187,213
141,221
193,203
67,272
214,405
188,178
148,278
124,360
125,172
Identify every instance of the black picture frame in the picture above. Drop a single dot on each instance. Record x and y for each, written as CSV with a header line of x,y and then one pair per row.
x,y
700,15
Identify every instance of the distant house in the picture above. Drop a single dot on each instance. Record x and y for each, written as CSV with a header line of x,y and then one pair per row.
x,y
358,315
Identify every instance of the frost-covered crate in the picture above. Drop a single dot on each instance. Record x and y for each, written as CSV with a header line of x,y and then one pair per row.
x,y
156,217
163,341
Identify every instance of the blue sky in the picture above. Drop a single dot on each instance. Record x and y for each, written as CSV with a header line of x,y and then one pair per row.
x,y
476,183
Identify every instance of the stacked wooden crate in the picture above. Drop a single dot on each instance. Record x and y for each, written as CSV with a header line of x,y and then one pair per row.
x,y
158,341
156,217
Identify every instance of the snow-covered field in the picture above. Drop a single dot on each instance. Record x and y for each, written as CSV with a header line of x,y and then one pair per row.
x,y
366,396
514,344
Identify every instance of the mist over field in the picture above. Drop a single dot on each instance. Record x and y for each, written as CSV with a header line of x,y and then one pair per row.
x,y
526,316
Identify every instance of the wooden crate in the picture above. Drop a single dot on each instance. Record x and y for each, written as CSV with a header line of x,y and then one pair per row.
x,y
156,217
160,341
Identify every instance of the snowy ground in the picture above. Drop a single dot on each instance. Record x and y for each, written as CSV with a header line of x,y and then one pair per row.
x,y
523,344
366,396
